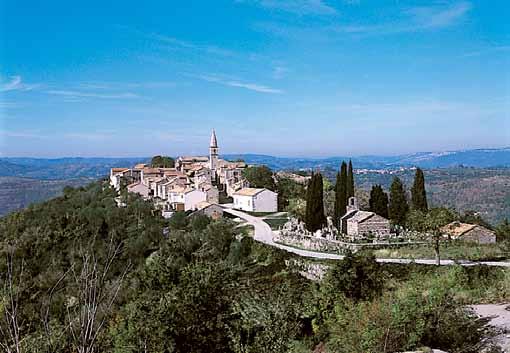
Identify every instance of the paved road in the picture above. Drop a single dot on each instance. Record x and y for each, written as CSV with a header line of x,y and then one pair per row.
x,y
264,234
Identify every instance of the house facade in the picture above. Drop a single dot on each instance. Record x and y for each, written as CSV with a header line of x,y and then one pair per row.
x,y
256,200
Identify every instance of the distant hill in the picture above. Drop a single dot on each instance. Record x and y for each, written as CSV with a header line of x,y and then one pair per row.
x,y
77,167
479,158
63,168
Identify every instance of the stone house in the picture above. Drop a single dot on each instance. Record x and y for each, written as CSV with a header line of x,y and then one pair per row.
x,y
214,211
473,233
359,223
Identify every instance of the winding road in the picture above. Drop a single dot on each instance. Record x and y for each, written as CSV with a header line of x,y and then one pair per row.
x,y
264,234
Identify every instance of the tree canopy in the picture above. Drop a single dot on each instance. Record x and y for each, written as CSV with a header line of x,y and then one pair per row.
x,y
341,189
398,206
260,177
162,162
418,193
378,201
314,216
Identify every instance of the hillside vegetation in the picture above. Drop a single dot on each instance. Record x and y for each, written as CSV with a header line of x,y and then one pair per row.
x,y
80,274
486,191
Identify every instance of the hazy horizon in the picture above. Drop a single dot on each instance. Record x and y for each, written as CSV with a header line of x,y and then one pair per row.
x,y
338,155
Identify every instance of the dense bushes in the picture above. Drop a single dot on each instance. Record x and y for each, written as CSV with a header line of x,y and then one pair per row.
x,y
202,286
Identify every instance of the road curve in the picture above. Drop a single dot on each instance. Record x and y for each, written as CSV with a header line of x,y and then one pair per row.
x,y
264,234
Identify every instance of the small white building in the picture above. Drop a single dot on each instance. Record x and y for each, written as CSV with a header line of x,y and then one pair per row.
x,y
256,200
182,199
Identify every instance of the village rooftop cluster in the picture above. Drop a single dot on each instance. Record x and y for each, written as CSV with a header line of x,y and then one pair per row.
x,y
194,183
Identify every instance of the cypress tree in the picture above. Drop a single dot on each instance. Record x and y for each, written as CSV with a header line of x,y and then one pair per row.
x,y
321,216
350,181
379,201
398,206
314,217
341,192
338,208
309,201
418,193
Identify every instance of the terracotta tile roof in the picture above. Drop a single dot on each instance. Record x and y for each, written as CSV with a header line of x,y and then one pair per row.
x,y
457,229
119,170
173,173
148,170
194,159
140,166
248,192
178,189
202,205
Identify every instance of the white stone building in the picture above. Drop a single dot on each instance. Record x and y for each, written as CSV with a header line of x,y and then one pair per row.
x,y
256,200
183,199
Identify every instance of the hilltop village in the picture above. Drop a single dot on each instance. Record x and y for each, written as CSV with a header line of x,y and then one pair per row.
x,y
210,185
195,182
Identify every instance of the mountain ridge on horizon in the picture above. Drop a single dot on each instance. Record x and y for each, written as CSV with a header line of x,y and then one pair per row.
x,y
75,167
311,157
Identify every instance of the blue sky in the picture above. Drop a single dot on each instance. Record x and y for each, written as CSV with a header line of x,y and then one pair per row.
x,y
292,78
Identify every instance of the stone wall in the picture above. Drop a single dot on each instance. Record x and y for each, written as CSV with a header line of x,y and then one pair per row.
x,y
310,270
332,246
479,235
376,225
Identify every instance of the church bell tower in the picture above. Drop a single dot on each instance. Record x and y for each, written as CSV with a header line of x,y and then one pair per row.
x,y
213,153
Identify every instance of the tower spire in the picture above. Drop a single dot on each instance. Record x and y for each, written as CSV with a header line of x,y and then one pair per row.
x,y
213,153
214,142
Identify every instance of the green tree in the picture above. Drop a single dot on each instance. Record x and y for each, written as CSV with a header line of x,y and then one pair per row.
x,y
200,222
503,231
418,193
356,276
162,162
314,215
179,220
288,190
341,192
431,223
378,201
398,206
350,181
260,177
474,217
